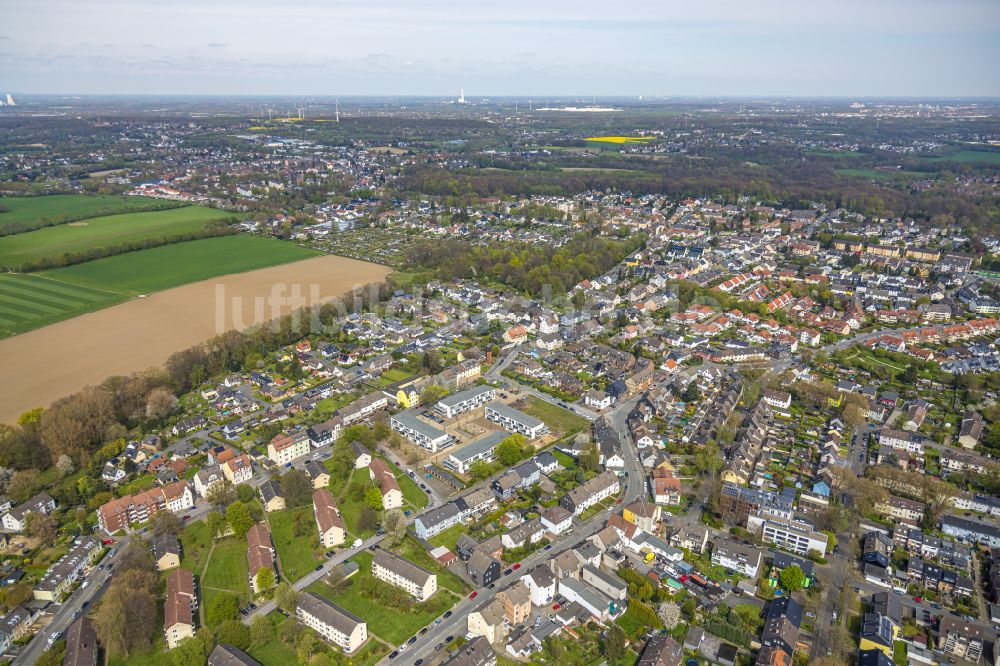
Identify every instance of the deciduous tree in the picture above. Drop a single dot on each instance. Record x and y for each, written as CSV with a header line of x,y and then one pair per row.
x,y
239,520
165,522
395,527
297,488
373,498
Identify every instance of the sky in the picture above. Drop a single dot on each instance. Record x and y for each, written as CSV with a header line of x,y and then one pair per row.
x,y
862,48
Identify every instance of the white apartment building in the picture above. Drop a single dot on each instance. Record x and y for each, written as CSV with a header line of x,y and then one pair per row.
x,y
514,420
794,535
420,583
335,624
464,401
420,433
737,557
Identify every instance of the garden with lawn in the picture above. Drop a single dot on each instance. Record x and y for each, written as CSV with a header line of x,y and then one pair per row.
x,y
298,549
393,625
226,572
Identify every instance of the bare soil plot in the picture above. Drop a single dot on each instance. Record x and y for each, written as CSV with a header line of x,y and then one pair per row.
x,y
49,363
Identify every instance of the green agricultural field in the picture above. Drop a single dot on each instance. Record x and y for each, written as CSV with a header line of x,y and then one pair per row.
x,y
104,231
880,175
174,265
30,211
31,301
834,153
989,157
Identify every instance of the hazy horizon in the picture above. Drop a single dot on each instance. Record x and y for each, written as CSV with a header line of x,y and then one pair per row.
x,y
393,48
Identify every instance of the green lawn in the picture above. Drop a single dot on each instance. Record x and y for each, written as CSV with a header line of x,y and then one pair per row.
x,y
350,511
227,568
29,301
298,555
181,263
103,232
559,420
630,625
411,491
157,655
274,652
392,375
449,537
392,626
29,211
195,542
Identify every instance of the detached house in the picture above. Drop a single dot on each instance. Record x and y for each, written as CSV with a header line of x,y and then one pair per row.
x,y
166,551
271,495
206,478
238,470
317,473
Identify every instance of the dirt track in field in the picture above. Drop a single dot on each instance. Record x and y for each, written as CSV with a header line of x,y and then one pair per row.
x,y
44,365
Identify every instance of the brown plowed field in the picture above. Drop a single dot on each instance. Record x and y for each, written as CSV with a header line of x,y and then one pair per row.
x,y
41,366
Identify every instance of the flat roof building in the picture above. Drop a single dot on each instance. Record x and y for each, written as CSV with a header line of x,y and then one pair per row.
x,y
420,433
464,401
515,420
480,449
